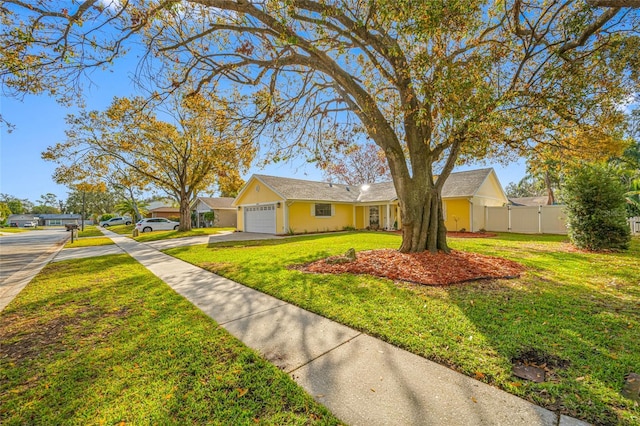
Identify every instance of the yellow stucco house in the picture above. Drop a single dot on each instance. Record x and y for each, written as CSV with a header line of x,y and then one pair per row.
x,y
277,205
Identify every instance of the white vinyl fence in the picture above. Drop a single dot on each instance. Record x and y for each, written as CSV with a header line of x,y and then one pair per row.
x,y
535,220
526,219
634,223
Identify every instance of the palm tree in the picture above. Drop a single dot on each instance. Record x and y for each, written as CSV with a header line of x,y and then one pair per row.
x,y
136,209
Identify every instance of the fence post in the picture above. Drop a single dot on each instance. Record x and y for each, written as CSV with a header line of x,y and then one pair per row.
x,y
509,217
539,219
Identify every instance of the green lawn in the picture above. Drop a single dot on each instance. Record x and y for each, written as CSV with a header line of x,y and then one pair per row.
x,y
14,230
90,231
121,229
166,235
89,242
103,341
577,312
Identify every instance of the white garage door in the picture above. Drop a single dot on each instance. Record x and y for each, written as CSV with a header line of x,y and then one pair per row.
x,y
260,219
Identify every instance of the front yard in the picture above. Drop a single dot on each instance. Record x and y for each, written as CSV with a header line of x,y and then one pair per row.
x,y
575,314
103,341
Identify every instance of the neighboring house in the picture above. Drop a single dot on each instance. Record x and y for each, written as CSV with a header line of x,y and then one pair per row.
x,y
224,213
59,219
20,220
276,205
164,207
529,201
164,211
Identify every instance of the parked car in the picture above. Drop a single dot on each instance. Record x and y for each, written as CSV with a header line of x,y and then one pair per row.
x,y
30,224
156,224
116,221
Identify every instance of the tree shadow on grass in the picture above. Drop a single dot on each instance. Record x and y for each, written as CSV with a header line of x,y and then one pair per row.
x,y
121,346
592,331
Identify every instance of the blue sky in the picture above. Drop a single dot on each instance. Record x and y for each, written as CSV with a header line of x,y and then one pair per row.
x,y
39,123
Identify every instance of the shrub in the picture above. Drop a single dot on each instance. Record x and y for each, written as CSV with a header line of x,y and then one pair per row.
x,y
106,217
596,209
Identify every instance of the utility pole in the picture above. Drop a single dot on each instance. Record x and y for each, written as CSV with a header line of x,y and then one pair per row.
x,y
83,210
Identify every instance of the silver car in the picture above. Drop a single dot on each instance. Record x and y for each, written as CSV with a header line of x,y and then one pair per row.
x,y
116,221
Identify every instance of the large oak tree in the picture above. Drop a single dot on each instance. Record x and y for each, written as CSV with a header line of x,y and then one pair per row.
x,y
431,83
200,148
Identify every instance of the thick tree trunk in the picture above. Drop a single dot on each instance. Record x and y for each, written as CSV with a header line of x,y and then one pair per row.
x,y
551,199
422,219
135,205
185,213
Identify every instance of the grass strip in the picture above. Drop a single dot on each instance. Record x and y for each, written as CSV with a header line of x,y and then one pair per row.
x,y
89,242
167,235
103,341
121,229
14,230
576,313
90,231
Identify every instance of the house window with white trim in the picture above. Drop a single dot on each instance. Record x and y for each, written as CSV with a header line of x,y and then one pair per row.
x,y
323,210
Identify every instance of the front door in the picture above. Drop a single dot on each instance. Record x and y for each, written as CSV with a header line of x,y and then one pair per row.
x,y
374,217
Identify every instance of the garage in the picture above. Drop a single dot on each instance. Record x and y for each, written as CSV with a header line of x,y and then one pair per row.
x,y
260,219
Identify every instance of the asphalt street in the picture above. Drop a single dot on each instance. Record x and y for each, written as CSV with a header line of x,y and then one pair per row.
x,y
22,256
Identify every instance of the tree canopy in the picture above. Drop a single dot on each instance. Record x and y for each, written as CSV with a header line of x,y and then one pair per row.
x,y
430,83
202,148
357,165
95,202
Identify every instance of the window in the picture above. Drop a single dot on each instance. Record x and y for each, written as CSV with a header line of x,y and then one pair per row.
x,y
323,210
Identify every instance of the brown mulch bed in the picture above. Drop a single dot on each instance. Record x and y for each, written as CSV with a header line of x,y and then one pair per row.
x,y
422,268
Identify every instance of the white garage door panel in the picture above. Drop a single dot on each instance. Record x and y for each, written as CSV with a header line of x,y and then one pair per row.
x,y
260,219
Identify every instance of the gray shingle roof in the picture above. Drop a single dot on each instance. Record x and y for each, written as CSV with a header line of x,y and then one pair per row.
x,y
218,202
50,216
459,184
464,184
384,191
530,201
298,189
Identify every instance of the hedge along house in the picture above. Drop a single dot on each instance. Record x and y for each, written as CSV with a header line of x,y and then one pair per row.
x,y
276,205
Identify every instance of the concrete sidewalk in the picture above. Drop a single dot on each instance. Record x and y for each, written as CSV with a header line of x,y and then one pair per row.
x,y
362,380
